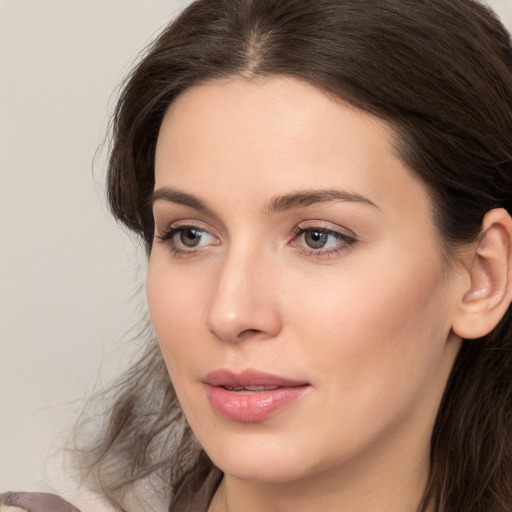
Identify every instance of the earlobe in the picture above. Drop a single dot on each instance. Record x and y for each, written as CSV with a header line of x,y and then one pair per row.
x,y
489,295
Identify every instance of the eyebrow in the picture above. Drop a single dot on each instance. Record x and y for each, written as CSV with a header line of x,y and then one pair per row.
x,y
175,196
304,198
280,203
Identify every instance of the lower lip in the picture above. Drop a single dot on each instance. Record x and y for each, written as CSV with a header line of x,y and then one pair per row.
x,y
251,407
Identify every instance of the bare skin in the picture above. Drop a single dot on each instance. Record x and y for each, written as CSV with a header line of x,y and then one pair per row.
x,y
292,240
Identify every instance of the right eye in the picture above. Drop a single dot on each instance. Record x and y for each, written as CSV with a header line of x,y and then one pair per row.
x,y
190,237
187,239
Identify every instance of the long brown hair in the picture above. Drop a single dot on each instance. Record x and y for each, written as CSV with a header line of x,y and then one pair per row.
x,y
439,72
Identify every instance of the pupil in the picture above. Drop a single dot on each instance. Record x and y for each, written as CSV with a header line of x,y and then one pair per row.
x,y
190,237
316,239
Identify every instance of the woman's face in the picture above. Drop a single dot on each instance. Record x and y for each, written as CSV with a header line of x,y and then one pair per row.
x,y
296,283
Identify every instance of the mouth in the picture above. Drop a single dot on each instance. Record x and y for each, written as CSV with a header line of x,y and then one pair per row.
x,y
251,396
249,389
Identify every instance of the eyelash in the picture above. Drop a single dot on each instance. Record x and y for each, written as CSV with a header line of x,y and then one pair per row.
x,y
168,235
345,241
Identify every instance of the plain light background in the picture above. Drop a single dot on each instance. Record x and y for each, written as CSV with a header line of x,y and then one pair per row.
x,y
67,272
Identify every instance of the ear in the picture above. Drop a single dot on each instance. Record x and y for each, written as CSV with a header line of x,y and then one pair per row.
x,y
489,295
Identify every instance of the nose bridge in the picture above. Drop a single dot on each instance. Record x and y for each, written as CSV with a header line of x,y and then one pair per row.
x,y
243,302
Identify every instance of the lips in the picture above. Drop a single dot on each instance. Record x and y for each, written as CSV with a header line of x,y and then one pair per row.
x,y
250,396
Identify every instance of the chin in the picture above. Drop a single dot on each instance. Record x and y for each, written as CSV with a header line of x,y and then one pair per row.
x,y
262,471
260,460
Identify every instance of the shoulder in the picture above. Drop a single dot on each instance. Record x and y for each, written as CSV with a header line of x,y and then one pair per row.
x,y
34,502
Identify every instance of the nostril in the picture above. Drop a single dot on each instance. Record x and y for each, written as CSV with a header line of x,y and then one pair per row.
x,y
243,335
248,333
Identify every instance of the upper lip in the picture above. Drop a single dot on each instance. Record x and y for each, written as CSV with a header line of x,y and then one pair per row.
x,y
225,377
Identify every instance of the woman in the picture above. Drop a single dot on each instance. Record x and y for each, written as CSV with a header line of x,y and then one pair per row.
x,y
323,189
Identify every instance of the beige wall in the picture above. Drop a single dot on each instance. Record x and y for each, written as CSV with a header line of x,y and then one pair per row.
x,y
66,271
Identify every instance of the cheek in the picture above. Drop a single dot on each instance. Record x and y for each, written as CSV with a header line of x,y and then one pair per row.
x,y
386,326
174,305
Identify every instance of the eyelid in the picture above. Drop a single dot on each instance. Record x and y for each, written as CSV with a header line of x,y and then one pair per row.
x,y
178,250
166,213
183,224
345,237
323,226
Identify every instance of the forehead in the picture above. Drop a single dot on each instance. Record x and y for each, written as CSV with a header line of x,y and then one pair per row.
x,y
275,134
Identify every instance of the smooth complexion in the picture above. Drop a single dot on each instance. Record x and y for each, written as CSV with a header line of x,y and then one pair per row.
x,y
290,239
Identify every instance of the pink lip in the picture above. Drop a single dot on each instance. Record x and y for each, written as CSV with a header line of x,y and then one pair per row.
x,y
246,405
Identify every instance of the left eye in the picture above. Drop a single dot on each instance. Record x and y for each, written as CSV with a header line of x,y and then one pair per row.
x,y
320,238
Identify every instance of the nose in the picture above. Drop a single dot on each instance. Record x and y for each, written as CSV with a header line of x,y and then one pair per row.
x,y
244,302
